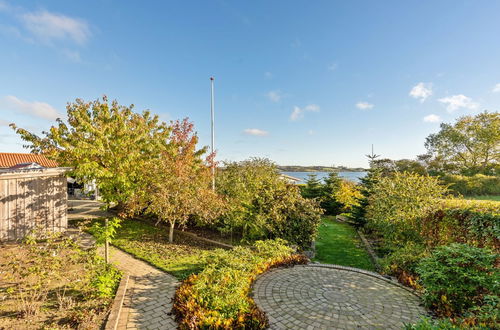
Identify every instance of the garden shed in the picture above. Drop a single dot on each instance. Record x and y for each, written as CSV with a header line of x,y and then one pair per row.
x,y
32,198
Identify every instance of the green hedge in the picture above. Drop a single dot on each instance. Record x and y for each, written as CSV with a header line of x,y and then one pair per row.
x,y
478,184
474,222
217,298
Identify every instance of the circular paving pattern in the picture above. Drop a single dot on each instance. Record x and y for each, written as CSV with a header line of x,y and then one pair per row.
x,y
326,297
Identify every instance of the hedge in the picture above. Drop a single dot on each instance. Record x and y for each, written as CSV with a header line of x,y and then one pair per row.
x,y
478,184
474,222
217,298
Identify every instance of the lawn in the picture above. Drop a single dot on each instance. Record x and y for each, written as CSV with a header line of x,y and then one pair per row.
x,y
338,243
149,243
484,198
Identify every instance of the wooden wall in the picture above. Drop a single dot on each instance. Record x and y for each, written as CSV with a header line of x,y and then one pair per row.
x,y
32,199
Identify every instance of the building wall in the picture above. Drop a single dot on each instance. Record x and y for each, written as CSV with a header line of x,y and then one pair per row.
x,y
32,199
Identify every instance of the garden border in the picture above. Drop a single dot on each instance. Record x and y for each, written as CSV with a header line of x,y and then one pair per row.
x,y
369,249
116,309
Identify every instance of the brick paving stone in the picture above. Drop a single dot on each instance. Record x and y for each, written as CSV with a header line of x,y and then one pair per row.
x,y
315,297
148,300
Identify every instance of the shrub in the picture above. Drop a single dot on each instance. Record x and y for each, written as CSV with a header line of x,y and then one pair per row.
x,y
473,222
104,279
398,202
262,205
457,277
403,263
478,184
348,195
217,298
427,323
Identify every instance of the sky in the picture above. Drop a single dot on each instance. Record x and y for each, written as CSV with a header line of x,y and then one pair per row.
x,y
299,82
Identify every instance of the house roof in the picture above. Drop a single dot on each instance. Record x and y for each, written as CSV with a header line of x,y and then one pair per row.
x,y
8,159
289,177
26,166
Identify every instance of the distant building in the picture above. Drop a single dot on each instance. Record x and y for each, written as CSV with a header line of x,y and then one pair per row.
x,y
290,179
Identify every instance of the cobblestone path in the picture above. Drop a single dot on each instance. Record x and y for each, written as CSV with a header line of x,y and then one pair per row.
x,y
148,299
326,297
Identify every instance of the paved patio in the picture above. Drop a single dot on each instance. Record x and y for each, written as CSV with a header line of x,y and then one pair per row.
x,y
323,297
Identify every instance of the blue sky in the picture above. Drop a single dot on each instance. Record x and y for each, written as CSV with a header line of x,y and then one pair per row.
x,y
299,82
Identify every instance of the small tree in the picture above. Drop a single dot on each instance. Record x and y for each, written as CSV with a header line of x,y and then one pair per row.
x,y
105,234
368,182
329,201
176,186
348,196
313,188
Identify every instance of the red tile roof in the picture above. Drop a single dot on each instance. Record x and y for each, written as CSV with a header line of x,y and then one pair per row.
x,y
11,159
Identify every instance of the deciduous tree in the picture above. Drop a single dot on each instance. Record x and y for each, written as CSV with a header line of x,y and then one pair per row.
x,y
177,185
108,143
471,145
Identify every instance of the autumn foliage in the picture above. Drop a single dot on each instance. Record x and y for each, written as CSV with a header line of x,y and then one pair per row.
x,y
217,298
177,185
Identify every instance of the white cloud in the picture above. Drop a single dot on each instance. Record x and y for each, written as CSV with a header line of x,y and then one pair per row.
x,y
421,91
47,26
268,75
275,96
37,109
364,105
311,132
255,132
432,119
456,102
298,112
496,89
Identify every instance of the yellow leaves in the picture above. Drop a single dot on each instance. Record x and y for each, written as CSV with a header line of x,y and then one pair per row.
x,y
217,298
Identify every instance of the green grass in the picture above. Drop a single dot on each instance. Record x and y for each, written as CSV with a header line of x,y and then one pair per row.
x,y
182,258
484,198
338,243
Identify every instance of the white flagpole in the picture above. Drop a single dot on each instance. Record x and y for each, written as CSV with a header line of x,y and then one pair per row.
x,y
212,113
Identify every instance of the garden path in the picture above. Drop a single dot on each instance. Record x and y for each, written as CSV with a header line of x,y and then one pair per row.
x,y
318,296
148,299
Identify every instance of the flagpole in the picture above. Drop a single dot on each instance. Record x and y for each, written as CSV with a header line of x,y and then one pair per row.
x,y
212,113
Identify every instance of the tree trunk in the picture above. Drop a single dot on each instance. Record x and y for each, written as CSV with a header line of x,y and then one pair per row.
x,y
171,232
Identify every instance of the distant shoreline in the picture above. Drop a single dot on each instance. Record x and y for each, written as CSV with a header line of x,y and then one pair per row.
x,y
319,169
